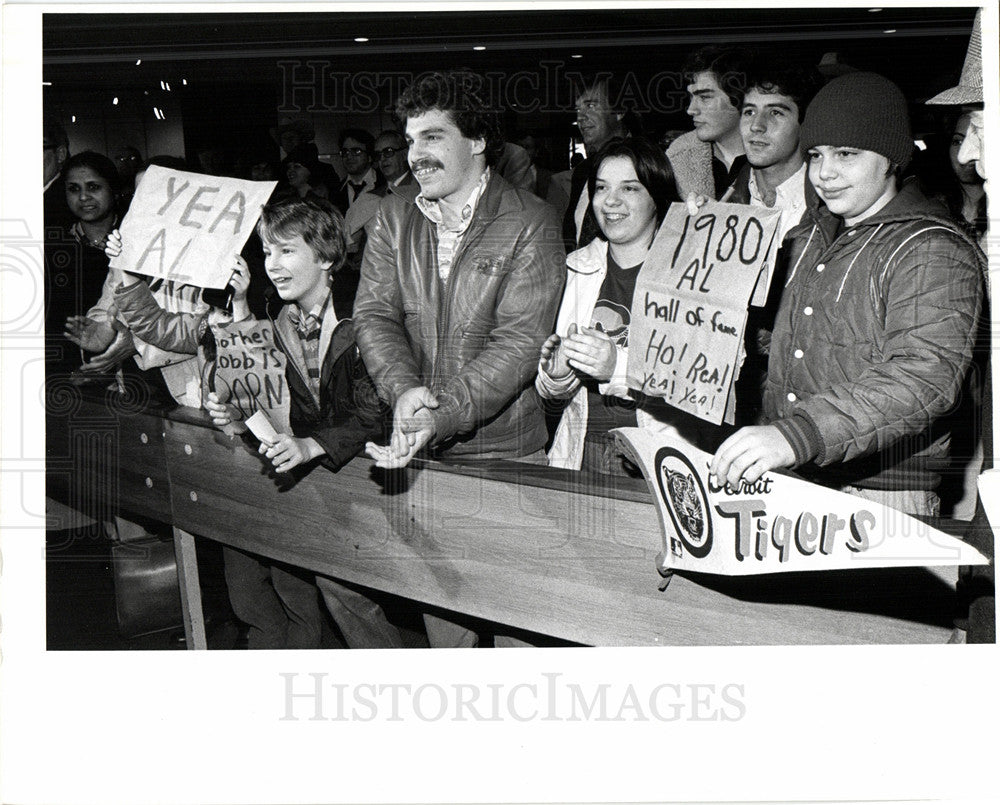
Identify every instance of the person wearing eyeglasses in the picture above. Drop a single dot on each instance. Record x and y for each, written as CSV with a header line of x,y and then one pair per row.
x,y
356,152
390,157
390,152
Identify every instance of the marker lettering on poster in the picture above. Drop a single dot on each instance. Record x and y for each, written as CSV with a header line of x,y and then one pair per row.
x,y
250,370
691,304
187,227
776,523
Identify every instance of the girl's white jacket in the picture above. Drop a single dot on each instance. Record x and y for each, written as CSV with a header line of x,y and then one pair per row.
x,y
586,269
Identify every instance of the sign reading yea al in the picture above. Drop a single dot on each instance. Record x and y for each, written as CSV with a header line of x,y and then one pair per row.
x,y
186,227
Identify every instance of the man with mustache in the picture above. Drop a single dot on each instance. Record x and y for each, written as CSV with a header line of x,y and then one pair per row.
x,y
458,292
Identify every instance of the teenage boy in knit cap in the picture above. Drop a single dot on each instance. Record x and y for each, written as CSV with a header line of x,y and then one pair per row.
x,y
876,324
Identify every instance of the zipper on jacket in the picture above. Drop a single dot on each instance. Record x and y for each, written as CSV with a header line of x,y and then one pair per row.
x,y
443,328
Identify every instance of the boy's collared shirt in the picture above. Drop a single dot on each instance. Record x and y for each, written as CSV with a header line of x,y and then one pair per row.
x,y
449,239
308,327
790,198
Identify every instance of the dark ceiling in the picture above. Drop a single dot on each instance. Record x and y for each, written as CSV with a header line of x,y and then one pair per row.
x,y
100,50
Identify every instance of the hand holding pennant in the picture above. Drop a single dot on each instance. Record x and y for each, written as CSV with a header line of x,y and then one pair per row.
x,y
777,524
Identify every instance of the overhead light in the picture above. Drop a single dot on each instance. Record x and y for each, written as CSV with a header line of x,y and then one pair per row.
x,y
138,62
72,119
46,83
577,56
889,31
115,101
361,39
480,47
921,145
873,10
184,81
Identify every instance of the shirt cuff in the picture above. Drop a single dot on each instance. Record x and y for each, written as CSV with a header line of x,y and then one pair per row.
x,y
803,435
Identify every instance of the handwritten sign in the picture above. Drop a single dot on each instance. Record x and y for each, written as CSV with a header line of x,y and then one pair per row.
x,y
777,524
249,371
690,305
186,227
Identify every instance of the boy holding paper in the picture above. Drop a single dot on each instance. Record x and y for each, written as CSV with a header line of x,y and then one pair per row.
x,y
334,411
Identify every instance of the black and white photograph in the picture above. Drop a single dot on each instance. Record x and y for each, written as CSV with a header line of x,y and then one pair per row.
x,y
651,339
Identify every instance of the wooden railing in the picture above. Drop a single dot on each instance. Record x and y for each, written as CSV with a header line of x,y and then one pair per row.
x,y
554,552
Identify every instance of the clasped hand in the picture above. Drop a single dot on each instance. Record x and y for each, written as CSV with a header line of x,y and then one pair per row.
x,y
586,349
89,335
112,346
412,428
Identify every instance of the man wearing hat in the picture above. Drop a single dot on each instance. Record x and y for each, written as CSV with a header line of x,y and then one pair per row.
x,y
292,132
876,324
969,94
976,583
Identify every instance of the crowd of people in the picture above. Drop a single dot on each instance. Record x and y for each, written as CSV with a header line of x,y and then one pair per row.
x,y
450,297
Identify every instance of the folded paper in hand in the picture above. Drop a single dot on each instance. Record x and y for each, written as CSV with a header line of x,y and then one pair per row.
x,y
261,427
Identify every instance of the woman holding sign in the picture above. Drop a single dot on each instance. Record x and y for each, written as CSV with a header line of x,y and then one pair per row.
x,y
631,185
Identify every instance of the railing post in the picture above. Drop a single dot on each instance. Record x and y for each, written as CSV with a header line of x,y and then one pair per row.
x,y
187,577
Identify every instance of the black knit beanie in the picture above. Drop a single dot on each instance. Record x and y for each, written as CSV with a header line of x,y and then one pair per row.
x,y
860,110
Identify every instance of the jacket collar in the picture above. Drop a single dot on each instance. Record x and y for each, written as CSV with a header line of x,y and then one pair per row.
x,y
407,189
590,259
909,204
496,200
336,335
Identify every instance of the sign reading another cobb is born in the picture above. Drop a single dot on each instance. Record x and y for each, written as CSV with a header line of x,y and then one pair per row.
x,y
776,524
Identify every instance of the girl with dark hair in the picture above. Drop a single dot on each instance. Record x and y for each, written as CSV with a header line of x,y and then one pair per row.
x,y
631,186
969,204
943,178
